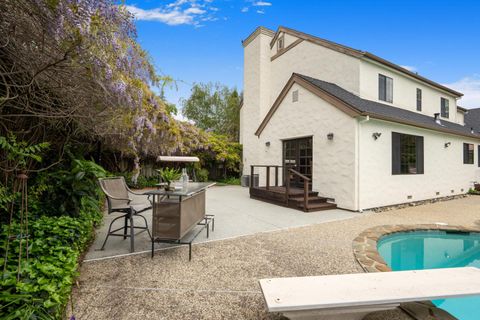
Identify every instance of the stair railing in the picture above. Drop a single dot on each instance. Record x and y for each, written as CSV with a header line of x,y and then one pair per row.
x,y
306,182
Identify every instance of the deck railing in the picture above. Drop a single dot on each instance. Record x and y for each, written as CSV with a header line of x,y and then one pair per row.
x,y
289,171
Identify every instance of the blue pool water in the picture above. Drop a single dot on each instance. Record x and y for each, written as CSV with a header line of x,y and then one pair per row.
x,y
431,250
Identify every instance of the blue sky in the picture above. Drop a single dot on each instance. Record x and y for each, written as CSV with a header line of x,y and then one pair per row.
x,y
200,40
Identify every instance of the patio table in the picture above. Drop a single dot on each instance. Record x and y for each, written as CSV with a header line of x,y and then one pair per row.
x,y
176,213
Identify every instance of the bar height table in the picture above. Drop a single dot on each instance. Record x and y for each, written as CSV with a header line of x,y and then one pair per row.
x,y
176,213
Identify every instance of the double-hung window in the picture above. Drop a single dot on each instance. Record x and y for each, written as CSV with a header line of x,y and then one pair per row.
x,y
419,99
468,153
385,88
407,154
444,112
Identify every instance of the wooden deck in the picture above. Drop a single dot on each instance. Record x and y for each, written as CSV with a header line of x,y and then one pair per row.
x,y
295,199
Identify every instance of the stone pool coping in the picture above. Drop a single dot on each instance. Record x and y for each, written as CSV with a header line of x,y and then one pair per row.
x,y
367,256
365,244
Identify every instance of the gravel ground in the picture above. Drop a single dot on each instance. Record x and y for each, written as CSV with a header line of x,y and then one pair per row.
x,y
221,282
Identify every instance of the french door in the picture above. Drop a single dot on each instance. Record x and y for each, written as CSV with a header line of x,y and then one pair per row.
x,y
297,154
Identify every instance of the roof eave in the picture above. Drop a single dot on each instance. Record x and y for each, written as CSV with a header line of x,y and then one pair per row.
x,y
412,74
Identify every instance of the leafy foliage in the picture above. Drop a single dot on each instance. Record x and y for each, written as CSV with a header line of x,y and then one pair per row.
x,y
55,247
214,107
19,153
61,192
169,174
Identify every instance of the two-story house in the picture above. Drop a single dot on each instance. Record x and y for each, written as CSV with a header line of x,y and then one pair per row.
x,y
367,132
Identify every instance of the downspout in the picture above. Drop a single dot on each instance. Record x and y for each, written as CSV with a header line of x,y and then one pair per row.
x,y
367,118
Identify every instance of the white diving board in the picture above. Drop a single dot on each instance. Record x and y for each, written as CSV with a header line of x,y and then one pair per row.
x,y
353,296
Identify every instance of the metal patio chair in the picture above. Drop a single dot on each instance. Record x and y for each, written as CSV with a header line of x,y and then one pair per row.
x,y
118,200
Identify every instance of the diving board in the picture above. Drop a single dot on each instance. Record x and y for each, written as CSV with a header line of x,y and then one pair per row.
x,y
353,296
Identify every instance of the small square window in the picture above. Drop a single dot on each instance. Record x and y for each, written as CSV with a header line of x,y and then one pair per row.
x,y
295,96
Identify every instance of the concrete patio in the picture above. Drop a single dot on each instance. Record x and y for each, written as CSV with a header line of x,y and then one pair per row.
x,y
221,282
235,215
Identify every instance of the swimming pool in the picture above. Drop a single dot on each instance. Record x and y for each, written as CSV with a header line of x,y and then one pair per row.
x,y
435,249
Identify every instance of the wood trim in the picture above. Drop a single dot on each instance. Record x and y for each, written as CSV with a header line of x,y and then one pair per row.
x,y
461,109
396,67
290,46
317,40
254,34
350,110
343,106
359,54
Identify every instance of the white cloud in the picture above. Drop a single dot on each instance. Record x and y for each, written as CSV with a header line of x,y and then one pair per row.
x,y
244,9
470,87
176,13
262,4
410,68
260,11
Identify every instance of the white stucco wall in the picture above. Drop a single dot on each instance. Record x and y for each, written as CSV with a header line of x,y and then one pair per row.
x,y
444,168
334,161
404,90
461,117
256,96
315,61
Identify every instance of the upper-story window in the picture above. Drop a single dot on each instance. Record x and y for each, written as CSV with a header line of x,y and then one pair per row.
x,y
280,43
419,99
444,112
385,88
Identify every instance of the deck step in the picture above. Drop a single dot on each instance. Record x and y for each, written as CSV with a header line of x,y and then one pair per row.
x,y
319,206
310,200
276,195
311,194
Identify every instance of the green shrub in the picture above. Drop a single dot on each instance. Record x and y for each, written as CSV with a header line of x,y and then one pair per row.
x,y
202,175
230,181
46,278
142,181
60,192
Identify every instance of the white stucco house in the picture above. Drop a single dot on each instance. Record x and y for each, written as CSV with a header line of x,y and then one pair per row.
x,y
367,132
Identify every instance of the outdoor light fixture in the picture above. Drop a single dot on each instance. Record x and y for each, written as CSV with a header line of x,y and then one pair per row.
x,y
330,136
267,143
447,144
376,135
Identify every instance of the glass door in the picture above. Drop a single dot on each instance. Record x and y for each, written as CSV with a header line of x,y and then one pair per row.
x,y
297,154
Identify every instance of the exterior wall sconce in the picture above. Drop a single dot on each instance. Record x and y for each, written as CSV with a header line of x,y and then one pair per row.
x,y
447,144
376,135
330,136
267,143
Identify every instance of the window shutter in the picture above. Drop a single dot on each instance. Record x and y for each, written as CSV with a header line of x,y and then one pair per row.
x,y
395,153
465,153
419,152
478,155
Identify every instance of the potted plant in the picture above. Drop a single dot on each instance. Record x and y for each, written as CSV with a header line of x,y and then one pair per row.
x,y
169,175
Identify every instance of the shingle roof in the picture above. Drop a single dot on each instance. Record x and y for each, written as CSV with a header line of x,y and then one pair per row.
x,y
472,119
389,113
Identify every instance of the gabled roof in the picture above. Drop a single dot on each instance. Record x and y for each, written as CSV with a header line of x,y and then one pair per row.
x,y
356,106
359,54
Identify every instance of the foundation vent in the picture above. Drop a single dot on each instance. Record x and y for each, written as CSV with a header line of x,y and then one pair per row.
x,y
437,193
409,197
